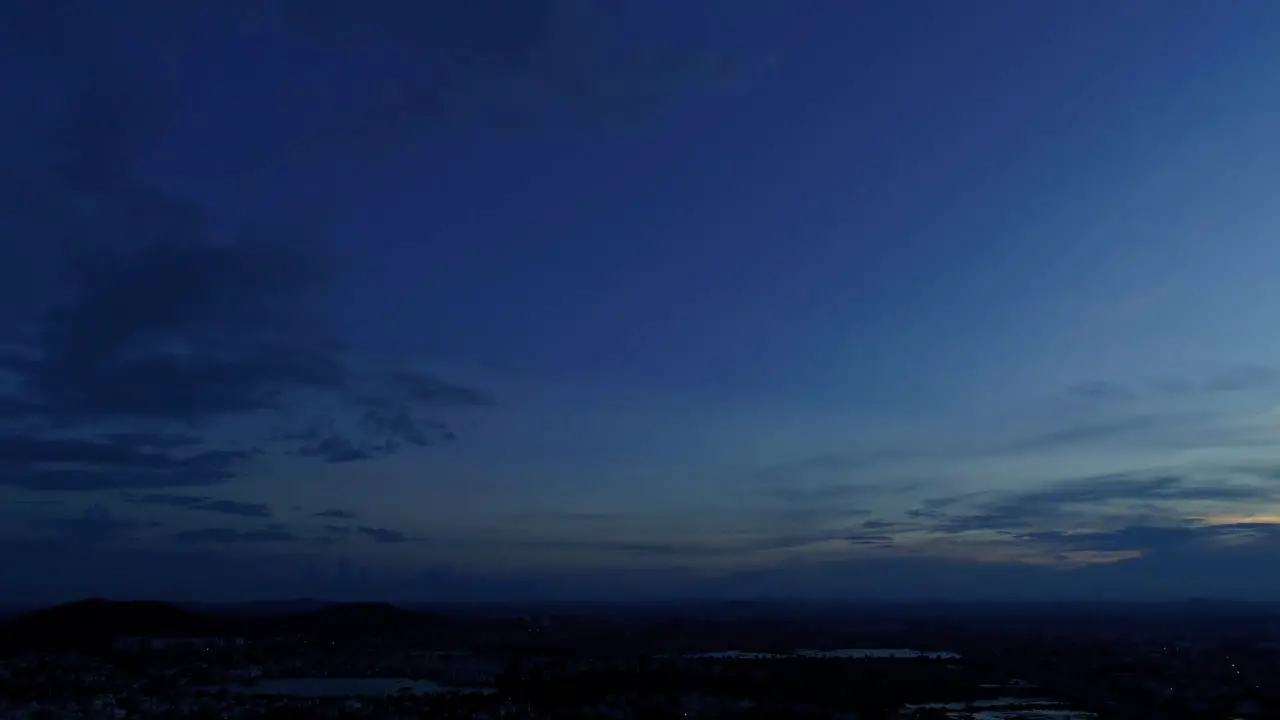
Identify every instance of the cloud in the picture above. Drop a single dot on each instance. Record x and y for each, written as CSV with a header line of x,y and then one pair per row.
x,y
153,440
336,514
202,503
878,524
336,449
1119,499
1091,432
167,326
1241,377
869,539
1139,537
383,535
1234,378
1099,489
52,460
181,334
228,536
387,416
724,547
802,506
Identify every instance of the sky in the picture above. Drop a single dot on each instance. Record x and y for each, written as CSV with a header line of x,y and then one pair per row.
x,y
567,300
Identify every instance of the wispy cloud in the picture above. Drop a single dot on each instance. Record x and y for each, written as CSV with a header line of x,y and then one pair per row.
x,y
336,514
202,503
383,535
56,462
1094,431
1233,378
1102,518
230,536
1145,538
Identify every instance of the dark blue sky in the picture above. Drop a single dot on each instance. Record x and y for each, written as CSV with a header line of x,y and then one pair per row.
x,y
560,298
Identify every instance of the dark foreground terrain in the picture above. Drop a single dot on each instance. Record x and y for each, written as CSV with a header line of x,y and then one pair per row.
x,y
98,658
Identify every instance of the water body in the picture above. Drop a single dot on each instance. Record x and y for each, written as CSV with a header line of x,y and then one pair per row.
x,y
338,687
856,653
1005,709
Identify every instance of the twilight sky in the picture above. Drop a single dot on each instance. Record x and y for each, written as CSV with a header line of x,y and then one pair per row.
x,y
551,299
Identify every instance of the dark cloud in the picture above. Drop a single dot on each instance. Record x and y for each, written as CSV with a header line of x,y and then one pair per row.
x,y
337,449
869,539
1133,537
728,545
183,334
879,525
164,324
337,529
383,535
794,539
55,461
37,502
651,549
387,417
202,503
987,520
154,441
336,514
934,504
228,536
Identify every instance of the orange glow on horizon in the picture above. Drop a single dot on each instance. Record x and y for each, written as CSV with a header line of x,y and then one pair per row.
x,y
1242,519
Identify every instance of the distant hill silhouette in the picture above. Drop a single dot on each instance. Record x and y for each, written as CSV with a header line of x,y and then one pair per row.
x,y
260,607
97,623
